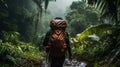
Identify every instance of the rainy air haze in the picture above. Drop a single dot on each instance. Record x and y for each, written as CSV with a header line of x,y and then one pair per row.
x,y
59,7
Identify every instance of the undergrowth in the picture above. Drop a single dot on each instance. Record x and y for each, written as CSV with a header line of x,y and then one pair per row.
x,y
19,55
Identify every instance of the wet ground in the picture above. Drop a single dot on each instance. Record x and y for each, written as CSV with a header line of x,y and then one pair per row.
x,y
67,63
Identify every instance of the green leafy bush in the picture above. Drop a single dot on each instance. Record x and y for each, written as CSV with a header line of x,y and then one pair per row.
x,y
9,36
18,53
101,52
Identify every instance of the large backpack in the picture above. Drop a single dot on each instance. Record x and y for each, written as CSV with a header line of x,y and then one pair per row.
x,y
57,41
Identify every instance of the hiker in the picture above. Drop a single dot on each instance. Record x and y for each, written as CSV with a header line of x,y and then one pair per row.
x,y
57,42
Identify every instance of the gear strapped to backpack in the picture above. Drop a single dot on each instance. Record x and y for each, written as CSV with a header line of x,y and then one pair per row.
x,y
57,43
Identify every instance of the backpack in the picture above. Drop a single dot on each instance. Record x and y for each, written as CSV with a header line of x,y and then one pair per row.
x,y
57,41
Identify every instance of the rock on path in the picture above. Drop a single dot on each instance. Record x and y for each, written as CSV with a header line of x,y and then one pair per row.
x,y
67,63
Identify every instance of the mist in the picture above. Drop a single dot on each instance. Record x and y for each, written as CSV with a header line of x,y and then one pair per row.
x,y
59,7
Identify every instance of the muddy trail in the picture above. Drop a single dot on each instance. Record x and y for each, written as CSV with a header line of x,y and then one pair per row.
x,y
67,63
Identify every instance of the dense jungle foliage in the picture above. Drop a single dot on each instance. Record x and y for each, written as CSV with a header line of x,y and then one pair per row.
x,y
93,26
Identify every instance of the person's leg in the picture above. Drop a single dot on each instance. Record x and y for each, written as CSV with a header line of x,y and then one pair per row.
x,y
61,61
53,62
57,61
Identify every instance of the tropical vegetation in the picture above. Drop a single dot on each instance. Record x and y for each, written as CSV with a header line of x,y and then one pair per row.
x,y
93,26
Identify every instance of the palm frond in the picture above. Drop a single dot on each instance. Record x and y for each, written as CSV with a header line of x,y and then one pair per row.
x,y
108,8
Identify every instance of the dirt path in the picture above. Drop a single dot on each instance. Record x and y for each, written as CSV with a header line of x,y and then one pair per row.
x,y
67,63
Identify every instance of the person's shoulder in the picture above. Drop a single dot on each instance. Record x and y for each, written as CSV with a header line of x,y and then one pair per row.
x,y
48,32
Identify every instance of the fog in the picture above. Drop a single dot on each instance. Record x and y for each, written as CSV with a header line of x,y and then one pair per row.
x,y
59,7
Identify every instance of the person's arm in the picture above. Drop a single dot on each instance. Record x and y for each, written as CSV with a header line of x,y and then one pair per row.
x,y
68,45
46,39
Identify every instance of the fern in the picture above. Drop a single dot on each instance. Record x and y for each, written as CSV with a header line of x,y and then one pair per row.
x,y
10,58
10,36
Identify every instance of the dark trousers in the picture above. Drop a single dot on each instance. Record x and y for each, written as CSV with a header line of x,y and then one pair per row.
x,y
57,61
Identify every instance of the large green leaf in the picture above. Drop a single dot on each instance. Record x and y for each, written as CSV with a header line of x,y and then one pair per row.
x,y
99,30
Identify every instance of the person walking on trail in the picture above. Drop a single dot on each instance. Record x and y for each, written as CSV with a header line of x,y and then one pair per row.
x,y
57,42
